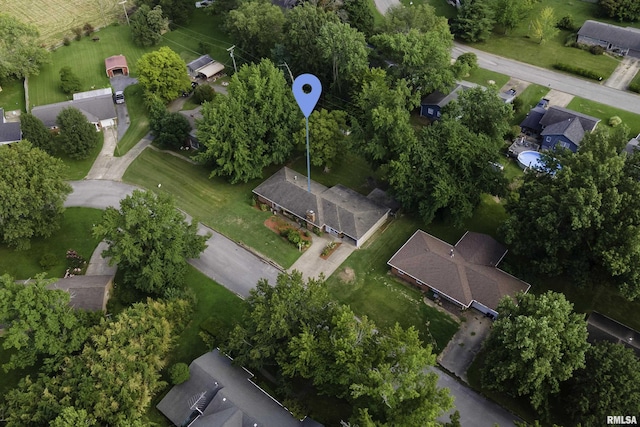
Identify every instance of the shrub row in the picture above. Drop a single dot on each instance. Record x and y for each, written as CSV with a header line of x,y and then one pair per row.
x,y
634,87
577,70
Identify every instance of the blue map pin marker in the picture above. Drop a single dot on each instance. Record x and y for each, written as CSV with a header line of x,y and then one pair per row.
x,y
307,101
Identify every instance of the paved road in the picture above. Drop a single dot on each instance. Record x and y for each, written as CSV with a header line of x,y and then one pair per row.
x,y
562,82
224,261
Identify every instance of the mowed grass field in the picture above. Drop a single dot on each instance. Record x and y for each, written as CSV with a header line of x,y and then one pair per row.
x,y
86,56
55,19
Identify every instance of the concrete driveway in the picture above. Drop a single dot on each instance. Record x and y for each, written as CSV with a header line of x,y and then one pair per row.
x,y
121,83
624,73
229,264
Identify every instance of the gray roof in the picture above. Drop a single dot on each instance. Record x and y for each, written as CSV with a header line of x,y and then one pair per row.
x,y
559,114
628,38
87,292
9,131
197,64
532,121
603,328
440,99
94,109
570,128
337,207
633,145
229,398
470,275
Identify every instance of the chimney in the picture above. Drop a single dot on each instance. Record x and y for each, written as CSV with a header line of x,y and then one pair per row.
x,y
311,216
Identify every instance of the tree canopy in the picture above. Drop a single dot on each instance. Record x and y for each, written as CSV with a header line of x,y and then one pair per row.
x,y
163,73
147,25
327,137
608,384
20,51
474,21
359,15
34,131
77,137
585,203
39,322
149,239
69,81
33,192
256,27
534,346
345,50
252,126
622,10
171,130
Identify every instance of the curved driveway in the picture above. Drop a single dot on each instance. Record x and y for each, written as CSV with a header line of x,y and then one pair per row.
x,y
223,260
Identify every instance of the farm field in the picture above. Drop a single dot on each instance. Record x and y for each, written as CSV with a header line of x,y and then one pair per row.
x,y
55,18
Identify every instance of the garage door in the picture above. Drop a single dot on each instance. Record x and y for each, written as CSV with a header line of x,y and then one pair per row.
x,y
484,309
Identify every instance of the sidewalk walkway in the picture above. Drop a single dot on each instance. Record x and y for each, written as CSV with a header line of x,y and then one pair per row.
x,y
109,167
311,265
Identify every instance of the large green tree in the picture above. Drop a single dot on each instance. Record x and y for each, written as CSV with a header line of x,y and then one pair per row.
x,y
345,50
622,10
543,27
474,21
113,379
172,130
69,81
33,194
256,27
327,137
589,202
163,73
608,384
147,25
381,124
150,240
421,17
445,171
77,137
509,13
21,54
34,131
421,54
359,15
252,127
177,11
39,322
536,344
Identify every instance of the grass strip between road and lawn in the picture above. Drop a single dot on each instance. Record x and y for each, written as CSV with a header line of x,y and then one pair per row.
x,y
224,207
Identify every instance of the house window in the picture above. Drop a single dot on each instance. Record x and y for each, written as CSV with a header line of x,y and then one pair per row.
x,y
430,111
548,139
419,282
564,144
400,272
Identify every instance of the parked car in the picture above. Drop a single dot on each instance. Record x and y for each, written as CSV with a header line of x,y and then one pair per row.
x,y
203,3
118,97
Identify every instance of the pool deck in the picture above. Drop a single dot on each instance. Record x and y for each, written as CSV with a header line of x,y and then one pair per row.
x,y
523,143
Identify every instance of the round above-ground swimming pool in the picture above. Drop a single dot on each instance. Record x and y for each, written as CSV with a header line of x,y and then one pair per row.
x,y
530,159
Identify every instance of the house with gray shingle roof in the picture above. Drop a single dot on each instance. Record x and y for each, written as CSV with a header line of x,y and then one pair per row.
x,y
431,106
338,210
466,274
219,394
9,131
87,292
620,40
97,107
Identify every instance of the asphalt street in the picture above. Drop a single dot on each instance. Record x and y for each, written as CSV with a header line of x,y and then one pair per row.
x,y
562,82
223,260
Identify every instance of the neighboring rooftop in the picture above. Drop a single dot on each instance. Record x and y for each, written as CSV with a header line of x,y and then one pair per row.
x,y
87,292
625,37
198,63
465,272
556,114
633,145
603,328
95,109
9,131
441,99
226,397
570,128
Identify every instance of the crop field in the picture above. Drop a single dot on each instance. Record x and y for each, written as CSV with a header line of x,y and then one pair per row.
x,y
55,18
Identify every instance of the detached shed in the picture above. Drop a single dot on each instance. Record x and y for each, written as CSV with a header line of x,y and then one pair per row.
x,y
116,65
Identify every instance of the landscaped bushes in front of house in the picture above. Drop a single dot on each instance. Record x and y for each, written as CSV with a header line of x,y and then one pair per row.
x,y
583,72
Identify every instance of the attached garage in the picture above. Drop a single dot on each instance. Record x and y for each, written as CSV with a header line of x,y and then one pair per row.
x,y
116,65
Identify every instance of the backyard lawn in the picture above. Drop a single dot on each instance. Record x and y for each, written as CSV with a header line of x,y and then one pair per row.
x,y
203,35
224,207
12,95
78,169
74,233
605,112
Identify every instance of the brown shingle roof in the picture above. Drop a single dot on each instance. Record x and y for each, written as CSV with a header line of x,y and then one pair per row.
x,y
470,275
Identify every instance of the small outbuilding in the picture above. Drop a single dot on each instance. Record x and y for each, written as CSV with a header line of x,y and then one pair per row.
x,y
204,67
116,65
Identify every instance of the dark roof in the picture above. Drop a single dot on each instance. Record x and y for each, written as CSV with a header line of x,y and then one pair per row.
x,y
229,398
440,99
470,275
94,109
570,128
197,64
87,292
532,121
558,114
116,61
603,328
9,131
628,38
338,207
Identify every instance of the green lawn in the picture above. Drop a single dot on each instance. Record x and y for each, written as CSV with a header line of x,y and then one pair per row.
x,y
74,233
604,112
87,56
530,97
78,169
483,77
226,208
139,121
12,95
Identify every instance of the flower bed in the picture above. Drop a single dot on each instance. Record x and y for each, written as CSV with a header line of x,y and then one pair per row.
x,y
329,249
296,236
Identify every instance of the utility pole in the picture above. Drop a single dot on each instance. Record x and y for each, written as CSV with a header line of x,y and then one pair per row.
x,y
230,50
125,11
284,64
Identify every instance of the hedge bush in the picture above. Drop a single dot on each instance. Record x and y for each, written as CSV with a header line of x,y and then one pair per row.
x,y
634,87
577,71
178,373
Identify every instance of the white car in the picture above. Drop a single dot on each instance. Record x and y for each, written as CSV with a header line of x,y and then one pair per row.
x,y
203,3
